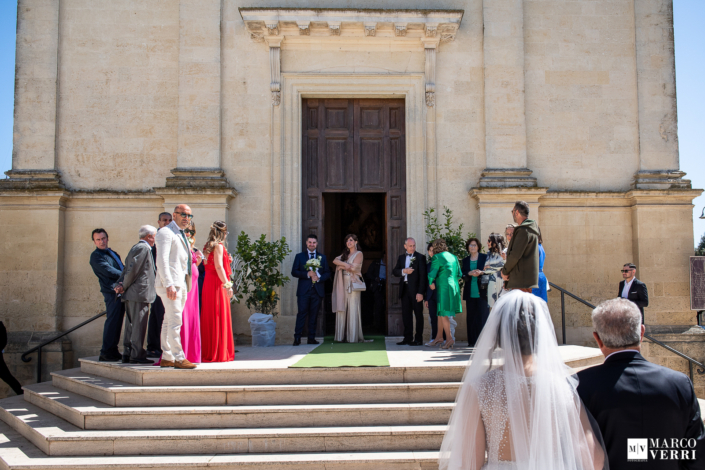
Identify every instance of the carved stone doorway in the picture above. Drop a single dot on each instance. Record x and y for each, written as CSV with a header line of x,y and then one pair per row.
x,y
356,146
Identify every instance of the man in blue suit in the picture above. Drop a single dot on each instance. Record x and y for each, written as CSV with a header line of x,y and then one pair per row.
x,y
309,292
108,267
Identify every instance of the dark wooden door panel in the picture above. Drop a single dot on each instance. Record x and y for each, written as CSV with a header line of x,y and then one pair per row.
x,y
357,146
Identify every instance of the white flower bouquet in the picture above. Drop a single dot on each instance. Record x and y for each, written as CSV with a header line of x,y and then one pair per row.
x,y
313,265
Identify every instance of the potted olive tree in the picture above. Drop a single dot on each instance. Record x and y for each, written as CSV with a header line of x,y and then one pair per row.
x,y
260,277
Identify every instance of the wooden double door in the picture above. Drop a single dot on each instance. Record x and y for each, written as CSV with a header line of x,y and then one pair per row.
x,y
357,146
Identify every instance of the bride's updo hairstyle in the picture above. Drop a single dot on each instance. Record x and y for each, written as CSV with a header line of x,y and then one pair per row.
x,y
217,234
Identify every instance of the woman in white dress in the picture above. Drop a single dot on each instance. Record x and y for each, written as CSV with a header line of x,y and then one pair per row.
x,y
518,407
345,300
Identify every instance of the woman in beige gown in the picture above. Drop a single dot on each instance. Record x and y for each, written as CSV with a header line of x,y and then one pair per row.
x,y
346,302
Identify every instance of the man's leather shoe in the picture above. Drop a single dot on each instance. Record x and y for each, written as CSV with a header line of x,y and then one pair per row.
x,y
297,341
313,341
141,361
415,343
154,354
125,359
402,343
185,364
165,363
109,359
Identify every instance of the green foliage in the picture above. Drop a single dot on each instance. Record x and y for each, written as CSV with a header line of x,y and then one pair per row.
x,y
264,260
453,236
700,250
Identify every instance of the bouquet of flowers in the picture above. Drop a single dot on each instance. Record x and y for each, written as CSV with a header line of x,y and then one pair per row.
x,y
313,264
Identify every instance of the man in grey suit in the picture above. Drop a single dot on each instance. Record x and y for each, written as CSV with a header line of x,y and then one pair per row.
x,y
136,284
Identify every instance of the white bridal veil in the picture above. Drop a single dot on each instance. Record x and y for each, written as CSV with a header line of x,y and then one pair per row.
x,y
518,407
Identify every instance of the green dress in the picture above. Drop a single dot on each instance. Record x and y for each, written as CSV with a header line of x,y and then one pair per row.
x,y
445,273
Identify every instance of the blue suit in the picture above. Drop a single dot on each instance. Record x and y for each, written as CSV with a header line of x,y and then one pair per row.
x,y
308,294
108,271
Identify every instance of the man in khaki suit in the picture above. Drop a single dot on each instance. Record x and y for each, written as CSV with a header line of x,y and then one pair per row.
x,y
172,284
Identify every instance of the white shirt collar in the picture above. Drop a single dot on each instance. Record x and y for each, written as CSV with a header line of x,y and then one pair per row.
x,y
622,351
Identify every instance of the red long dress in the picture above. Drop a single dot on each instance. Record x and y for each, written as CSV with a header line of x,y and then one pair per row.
x,y
217,344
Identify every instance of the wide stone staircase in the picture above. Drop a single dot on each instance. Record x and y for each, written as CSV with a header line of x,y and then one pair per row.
x,y
114,416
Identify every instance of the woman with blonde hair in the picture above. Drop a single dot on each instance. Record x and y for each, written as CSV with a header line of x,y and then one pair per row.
x,y
191,324
346,300
444,277
217,344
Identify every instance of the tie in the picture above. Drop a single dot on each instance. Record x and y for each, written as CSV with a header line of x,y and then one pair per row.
x,y
311,255
188,249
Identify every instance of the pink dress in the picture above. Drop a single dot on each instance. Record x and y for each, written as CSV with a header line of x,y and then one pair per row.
x,y
191,326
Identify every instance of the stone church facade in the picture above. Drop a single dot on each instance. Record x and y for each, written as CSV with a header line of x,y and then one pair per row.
x,y
124,108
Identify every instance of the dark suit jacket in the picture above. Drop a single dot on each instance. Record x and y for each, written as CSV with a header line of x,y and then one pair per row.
x,y
106,268
637,294
465,268
430,293
631,398
372,276
299,271
418,280
139,274
3,336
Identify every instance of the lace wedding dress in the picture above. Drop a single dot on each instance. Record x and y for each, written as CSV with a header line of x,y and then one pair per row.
x,y
518,407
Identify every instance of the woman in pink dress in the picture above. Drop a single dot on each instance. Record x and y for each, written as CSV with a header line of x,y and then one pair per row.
x,y
191,326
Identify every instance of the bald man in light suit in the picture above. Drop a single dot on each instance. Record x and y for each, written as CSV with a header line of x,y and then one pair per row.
x,y
172,283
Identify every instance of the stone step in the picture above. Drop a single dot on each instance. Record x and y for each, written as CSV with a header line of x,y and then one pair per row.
x,y
17,453
231,374
87,413
56,437
117,393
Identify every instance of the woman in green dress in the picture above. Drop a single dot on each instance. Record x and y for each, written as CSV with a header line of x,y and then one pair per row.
x,y
444,276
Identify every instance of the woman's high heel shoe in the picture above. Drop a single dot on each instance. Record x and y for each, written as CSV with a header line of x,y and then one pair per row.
x,y
433,343
448,345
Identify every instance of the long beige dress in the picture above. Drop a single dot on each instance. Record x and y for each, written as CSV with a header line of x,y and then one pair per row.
x,y
346,302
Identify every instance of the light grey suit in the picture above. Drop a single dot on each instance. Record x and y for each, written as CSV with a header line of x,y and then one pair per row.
x,y
138,281
173,270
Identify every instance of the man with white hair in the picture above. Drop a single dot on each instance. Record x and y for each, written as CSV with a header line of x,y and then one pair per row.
x,y
136,284
632,399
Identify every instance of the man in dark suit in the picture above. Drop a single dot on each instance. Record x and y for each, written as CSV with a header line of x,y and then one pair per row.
x,y
309,292
411,267
108,267
631,398
156,314
633,289
137,288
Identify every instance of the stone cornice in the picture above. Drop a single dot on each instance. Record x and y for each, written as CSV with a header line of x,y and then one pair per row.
x,y
321,22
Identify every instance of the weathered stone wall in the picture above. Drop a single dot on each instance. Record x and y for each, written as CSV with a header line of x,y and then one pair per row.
x,y
113,95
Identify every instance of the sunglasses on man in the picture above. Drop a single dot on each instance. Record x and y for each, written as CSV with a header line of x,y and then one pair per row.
x,y
626,270
185,215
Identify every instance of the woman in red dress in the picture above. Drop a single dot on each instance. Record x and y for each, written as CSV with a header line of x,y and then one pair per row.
x,y
217,344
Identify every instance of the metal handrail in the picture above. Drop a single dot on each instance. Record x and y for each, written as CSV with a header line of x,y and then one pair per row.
x,y
701,367
39,348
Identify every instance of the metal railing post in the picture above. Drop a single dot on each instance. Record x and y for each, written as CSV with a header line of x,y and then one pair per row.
x,y
39,365
563,315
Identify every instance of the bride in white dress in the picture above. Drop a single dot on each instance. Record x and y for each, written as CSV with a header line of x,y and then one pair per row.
x,y
518,407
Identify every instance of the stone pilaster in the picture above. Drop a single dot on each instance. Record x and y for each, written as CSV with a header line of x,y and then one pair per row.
x,y
199,85
656,91
36,81
505,122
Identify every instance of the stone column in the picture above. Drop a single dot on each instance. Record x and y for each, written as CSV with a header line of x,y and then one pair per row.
x,y
505,123
198,154
36,101
656,91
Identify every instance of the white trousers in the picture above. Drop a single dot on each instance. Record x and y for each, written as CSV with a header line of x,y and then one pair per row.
x,y
171,327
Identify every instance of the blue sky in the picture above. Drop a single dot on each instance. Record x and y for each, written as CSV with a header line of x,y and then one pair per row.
x,y
689,16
